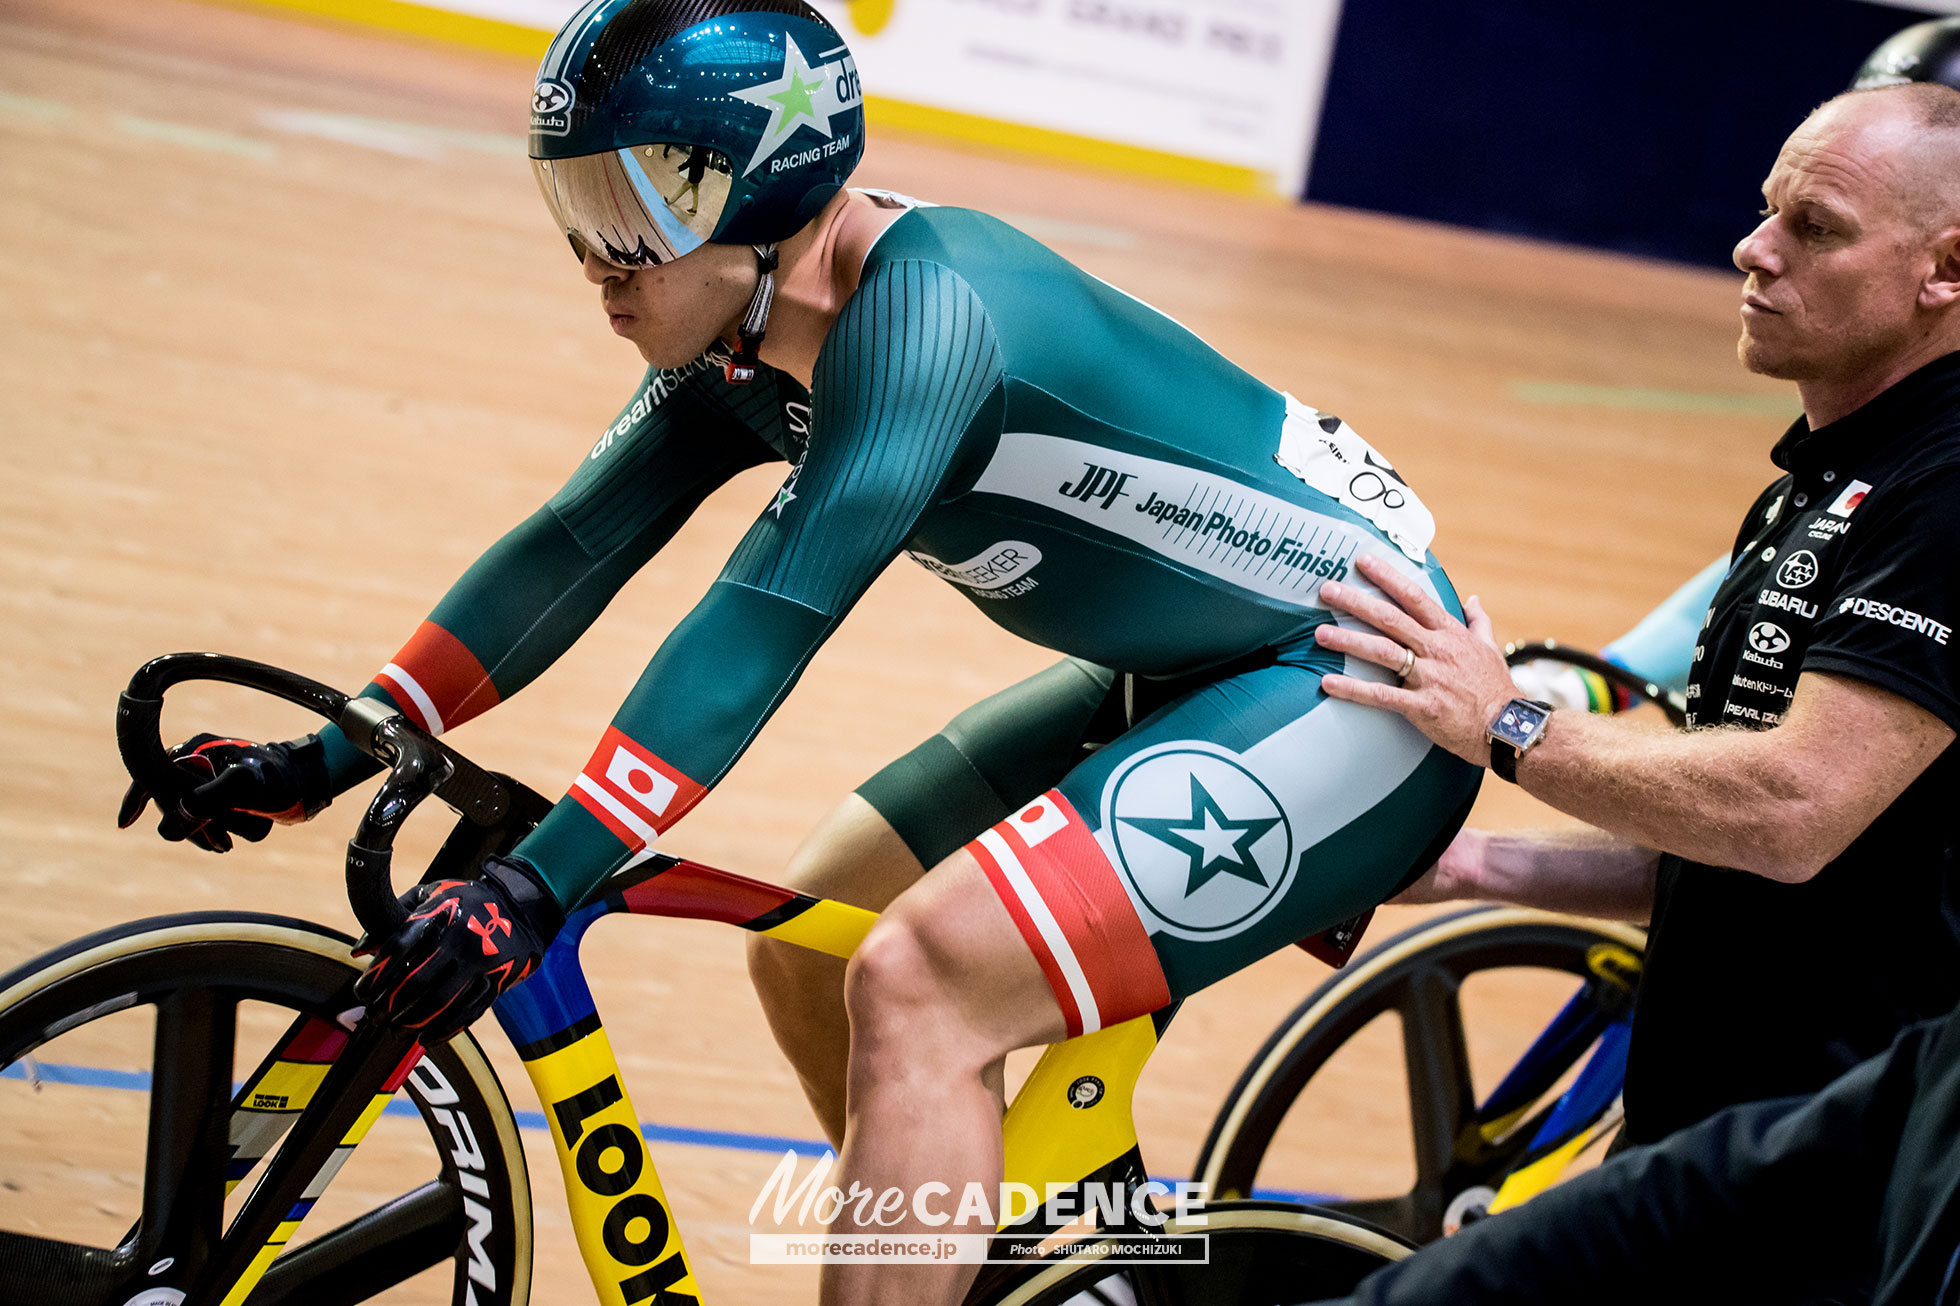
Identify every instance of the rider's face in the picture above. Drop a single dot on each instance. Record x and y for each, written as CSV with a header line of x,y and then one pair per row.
x,y
674,311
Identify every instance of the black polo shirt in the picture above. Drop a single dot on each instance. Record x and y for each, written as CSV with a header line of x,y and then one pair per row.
x,y
1850,565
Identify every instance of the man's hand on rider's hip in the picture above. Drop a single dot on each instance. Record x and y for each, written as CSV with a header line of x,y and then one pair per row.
x,y
1453,678
464,944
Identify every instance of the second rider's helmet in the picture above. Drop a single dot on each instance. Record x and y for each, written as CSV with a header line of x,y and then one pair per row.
x,y
1924,52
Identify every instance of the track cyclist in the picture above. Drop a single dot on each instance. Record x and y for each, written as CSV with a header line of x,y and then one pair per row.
x,y
1172,801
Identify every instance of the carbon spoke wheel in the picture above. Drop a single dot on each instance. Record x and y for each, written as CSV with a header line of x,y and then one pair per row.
x,y
221,992
1257,1254
1419,976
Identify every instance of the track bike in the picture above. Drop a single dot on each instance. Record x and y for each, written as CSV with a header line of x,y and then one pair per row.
x,y
233,1168
1472,1156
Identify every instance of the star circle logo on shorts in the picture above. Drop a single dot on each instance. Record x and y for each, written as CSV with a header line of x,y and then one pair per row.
x,y
1204,846
1768,637
1798,570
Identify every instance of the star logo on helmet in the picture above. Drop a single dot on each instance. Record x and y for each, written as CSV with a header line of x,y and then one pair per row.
x,y
805,95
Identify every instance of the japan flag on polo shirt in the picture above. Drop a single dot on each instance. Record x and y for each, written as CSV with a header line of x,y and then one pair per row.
x,y
1848,501
632,793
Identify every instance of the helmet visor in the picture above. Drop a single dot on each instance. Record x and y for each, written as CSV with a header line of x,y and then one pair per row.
x,y
640,206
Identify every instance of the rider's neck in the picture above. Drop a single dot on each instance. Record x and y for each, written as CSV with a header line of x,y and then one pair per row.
x,y
817,272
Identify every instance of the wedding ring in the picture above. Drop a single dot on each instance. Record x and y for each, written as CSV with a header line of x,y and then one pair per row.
x,y
1408,663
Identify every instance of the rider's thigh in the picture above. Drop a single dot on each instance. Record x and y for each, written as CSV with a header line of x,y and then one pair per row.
x,y
1244,815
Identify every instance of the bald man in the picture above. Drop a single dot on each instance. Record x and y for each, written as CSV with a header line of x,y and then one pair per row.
x,y
1799,847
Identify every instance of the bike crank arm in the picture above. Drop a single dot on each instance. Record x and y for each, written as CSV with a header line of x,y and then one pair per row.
x,y
345,1106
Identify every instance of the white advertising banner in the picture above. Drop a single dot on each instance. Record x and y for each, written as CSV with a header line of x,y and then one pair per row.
x,y
1236,82
1235,85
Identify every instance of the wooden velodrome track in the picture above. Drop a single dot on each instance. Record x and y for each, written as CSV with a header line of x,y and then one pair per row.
x,y
286,338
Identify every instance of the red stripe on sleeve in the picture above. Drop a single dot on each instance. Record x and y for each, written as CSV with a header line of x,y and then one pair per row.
x,y
447,672
602,813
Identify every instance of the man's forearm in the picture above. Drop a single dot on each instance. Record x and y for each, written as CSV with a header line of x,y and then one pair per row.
x,y
1721,796
1584,872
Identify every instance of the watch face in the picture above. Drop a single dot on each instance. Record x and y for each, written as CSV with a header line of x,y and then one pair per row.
x,y
1518,722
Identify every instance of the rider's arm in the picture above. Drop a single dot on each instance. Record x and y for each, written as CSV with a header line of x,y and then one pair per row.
x,y
1584,872
536,590
909,372
1770,1201
1662,647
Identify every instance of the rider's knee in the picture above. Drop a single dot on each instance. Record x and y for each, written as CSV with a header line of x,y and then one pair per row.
x,y
895,973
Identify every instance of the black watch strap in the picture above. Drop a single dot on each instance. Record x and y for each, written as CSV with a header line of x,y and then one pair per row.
x,y
1504,758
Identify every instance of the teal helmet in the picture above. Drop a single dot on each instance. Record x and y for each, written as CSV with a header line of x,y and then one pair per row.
x,y
1924,52
658,126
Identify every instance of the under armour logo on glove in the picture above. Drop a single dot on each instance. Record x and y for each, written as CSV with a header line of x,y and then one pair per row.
x,y
488,927
433,975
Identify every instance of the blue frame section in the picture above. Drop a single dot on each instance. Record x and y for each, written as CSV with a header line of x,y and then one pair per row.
x,y
557,997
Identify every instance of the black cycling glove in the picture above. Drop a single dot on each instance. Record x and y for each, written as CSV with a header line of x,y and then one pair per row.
x,y
465,942
243,789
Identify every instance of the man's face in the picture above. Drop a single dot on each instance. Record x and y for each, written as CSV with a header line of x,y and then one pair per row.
x,y
1836,265
674,311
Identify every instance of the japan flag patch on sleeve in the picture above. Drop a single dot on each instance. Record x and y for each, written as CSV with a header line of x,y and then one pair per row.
x,y
632,793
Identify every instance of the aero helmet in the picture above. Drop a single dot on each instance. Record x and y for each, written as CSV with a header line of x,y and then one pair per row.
x,y
658,126
1924,52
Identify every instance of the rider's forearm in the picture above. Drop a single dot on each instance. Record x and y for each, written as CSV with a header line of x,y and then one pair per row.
x,y
1584,872
696,709
511,615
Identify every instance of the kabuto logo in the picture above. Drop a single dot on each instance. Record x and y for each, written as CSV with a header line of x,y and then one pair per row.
x,y
551,108
1768,637
1204,845
805,95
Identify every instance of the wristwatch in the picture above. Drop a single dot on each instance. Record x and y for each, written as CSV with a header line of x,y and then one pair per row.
x,y
1517,728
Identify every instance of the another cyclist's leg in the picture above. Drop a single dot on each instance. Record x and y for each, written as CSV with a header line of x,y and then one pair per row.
x,y
1246,814
854,856
914,813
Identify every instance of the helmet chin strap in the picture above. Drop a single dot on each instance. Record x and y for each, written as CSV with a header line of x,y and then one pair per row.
x,y
755,323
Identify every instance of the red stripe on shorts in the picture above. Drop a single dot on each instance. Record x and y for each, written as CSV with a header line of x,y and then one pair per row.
x,y
1010,898
1100,932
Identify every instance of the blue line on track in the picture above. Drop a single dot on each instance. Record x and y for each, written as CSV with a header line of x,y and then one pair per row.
x,y
51,1072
